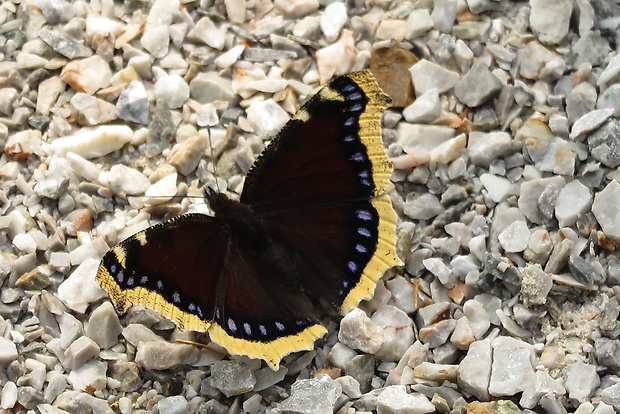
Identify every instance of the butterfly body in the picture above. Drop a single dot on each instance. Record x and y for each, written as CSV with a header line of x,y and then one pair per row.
x,y
313,224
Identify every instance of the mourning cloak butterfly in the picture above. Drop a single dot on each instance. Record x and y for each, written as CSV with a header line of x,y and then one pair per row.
x,y
313,224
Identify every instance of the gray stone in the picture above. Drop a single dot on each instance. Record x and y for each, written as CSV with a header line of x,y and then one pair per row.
x,y
80,351
427,75
610,98
580,101
261,55
484,147
423,207
212,407
512,368
29,398
606,209
63,44
312,396
604,143
475,369
103,326
532,204
583,271
161,130
56,11
175,404
549,19
133,103
590,48
362,369
51,185
80,402
580,380
444,14
211,87
607,352
232,377
477,86
127,374
159,355
611,396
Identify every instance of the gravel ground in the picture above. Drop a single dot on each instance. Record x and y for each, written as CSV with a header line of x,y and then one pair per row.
x,y
113,116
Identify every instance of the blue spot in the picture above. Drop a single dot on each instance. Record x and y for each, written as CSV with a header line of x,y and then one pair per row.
x,y
348,88
262,329
349,121
143,280
160,285
217,312
363,232
366,183
191,307
355,96
232,325
364,215
355,108
340,292
120,276
199,311
280,326
349,138
176,298
360,248
357,157
247,328
345,284
130,281
363,174
113,268
300,323
352,266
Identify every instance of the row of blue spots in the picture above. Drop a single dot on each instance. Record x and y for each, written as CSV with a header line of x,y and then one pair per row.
x,y
233,328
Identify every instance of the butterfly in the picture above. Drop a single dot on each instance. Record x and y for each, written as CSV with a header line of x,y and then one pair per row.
x,y
313,227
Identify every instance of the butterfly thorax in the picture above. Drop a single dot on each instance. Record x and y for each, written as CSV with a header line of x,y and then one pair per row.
x,y
237,218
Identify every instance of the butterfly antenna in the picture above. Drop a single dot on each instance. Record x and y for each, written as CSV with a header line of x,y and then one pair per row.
x,y
214,172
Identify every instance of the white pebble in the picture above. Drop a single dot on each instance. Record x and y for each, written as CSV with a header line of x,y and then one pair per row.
x,y
606,209
173,90
266,117
358,331
88,376
497,187
162,190
226,60
514,237
176,404
512,368
438,268
479,320
9,395
418,23
91,142
333,20
394,400
81,289
574,199
25,243
425,109
427,75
